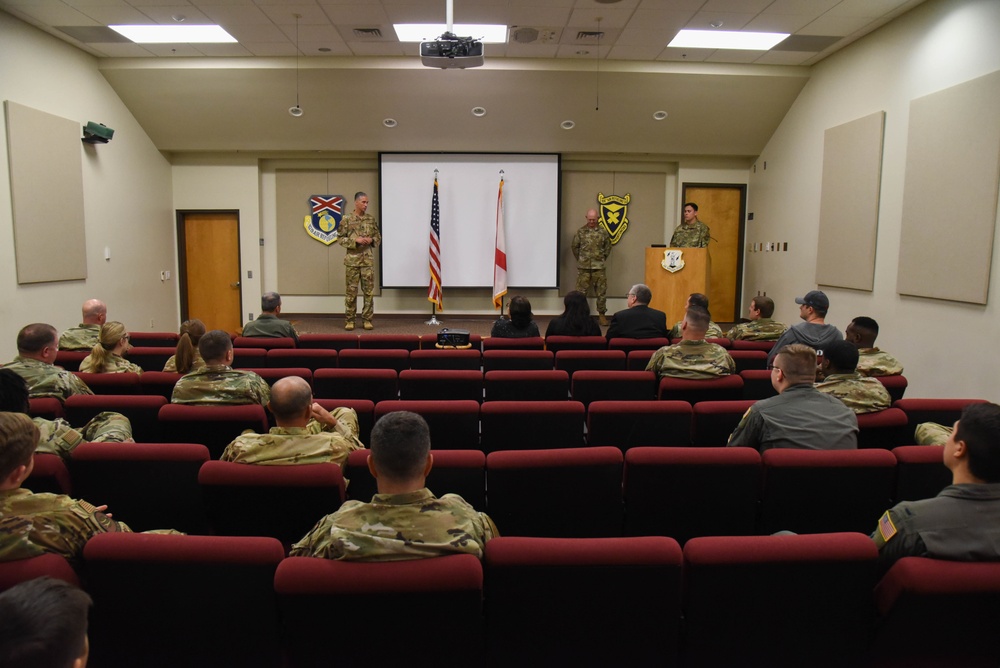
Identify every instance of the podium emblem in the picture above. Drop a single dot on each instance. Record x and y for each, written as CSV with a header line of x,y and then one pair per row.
x,y
673,260
614,214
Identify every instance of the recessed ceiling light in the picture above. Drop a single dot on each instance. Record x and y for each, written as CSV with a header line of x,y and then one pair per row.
x,y
389,122
180,18
479,112
421,32
180,34
567,125
659,115
716,24
727,39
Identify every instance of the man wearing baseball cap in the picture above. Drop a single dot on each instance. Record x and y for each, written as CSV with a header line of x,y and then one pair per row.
x,y
813,332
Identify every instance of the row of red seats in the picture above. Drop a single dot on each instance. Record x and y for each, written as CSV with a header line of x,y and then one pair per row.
x,y
757,601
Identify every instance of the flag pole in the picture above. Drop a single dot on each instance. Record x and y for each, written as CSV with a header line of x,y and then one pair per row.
x,y
434,215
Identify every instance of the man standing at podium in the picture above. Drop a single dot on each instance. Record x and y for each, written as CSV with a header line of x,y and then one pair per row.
x,y
691,233
591,247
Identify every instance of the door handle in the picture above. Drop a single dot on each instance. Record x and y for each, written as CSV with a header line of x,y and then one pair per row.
x,y
234,285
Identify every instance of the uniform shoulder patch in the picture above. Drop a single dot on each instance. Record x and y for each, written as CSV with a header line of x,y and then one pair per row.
x,y
885,527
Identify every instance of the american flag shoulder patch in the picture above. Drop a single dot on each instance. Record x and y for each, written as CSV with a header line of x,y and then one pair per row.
x,y
885,527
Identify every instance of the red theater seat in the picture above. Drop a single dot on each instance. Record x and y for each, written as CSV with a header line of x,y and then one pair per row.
x,y
266,342
627,424
212,426
559,343
49,564
548,385
454,424
920,472
50,475
504,359
441,384
725,388
373,384
524,425
142,411
452,360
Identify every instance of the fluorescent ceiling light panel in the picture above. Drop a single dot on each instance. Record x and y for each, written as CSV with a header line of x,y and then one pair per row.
x,y
171,34
423,32
727,39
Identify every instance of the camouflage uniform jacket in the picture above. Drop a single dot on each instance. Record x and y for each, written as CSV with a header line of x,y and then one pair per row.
x,y
32,524
313,444
115,364
58,437
353,226
764,329
47,380
692,359
874,362
591,247
713,331
270,326
396,527
221,384
932,433
694,235
81,337
860,394
196,364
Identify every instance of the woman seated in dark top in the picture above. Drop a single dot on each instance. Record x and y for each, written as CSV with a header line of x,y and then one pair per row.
x,y
520,325
575,319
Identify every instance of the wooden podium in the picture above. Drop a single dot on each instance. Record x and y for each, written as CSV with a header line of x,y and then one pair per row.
x,y
671,289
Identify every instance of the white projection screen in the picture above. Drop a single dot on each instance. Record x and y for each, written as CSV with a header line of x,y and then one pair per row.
x,y
468,185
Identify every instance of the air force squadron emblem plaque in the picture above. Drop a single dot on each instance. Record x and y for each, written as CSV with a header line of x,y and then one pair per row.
x,y
614,214
324,221
673,260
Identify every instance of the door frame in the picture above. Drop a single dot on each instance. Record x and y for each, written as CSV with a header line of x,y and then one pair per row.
x,y
181,217
741,242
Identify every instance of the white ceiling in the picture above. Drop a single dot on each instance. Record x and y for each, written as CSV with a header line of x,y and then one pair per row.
x,y
224,97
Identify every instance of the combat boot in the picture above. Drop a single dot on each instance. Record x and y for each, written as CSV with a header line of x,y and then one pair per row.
x,y
369,325
349,326
603,320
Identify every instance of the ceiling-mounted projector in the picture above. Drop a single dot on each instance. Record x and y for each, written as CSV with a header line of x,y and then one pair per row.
x,y
451,51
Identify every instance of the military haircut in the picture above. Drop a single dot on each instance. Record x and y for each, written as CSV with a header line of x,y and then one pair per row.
x,y
866,327
13,392
979,427
690,204
400,443
642,293
698,299
43,624
520,311
18,439
798,362
697,318
765,305
358,195
289,397
270,301
214,345
32,338
842,356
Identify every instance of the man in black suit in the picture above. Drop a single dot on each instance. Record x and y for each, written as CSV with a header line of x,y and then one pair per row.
x,y
638,321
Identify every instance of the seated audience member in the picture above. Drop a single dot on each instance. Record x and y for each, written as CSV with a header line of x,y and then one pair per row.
x,y
32,524
268,324
575,319
800,416
57,436
519,325
962,522
404,520
106,357
860,394
861,333
813,332
693,357
217,382
43,624
306,433
932,433
638,321
713,331
187,358
84,336
36,352
761,327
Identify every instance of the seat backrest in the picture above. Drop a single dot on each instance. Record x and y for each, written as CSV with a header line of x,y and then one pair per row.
x,y
49,474
724,388
894,385
638,360
365,409
753,345
548,385
596,385
557,343
441,384
689,492
314,595
627,424
524,425
749,359
266,342
920,472
815,491
396,359
628,345
461,472
151,358
575,360
389,341
49,564
525,343
450,359
942,411
211,596
517,359
159,382
250,358
111,383
884,429
757,384
373,384
310,358
582,601
272,375
329,341
454,424
70,359
558,493
154,339
714,421
146,485
48,408
142,411
212,426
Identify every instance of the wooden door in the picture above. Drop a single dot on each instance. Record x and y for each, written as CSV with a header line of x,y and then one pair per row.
x,y
210,266
721,208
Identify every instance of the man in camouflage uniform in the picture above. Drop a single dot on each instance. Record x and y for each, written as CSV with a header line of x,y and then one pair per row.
x,y
591,247
36,352
860,394
360,235
85,335
57,436
404,520
693,357
268,324
760,327
218,382
306,433
862,333
691,233
697,299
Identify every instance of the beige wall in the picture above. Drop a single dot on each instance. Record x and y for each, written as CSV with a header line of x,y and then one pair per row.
x,y
937,45
126,183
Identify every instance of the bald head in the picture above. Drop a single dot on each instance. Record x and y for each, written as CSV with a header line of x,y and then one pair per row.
x,y
291,399
592,218
95,312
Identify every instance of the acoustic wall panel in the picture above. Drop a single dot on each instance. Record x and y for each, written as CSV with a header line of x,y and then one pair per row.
x,y
848,208
950,192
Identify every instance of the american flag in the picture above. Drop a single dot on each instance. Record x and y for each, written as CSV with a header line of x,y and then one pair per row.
x,y
434,251
500,255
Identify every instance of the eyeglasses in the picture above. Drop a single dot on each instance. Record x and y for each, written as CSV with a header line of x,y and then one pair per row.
x,y
772,367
